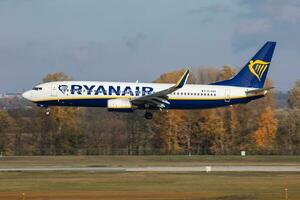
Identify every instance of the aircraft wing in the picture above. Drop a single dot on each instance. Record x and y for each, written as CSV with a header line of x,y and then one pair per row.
x,y
160,99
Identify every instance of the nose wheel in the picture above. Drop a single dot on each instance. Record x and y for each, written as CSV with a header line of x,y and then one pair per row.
x,y
48,111
148,115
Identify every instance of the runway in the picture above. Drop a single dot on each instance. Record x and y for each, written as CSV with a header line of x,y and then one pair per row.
x,y
159,169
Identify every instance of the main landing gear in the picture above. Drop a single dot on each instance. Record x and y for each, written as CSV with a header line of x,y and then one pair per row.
x,y
148,115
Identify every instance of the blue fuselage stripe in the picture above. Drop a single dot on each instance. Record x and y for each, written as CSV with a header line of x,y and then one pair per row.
x,y
174,103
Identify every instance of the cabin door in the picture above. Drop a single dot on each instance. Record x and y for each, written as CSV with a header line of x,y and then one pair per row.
x,y
53,90
227,95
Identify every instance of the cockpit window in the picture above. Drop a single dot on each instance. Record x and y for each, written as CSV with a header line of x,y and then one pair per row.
x,y
37,88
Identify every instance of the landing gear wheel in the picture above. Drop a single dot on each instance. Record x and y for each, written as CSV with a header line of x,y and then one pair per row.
x,y
148,115
48,111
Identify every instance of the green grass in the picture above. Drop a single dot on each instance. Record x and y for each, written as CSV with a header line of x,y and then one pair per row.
x,y
134,161
150,185
222,186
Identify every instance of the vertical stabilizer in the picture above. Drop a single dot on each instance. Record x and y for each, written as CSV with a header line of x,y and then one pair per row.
x,y
254,73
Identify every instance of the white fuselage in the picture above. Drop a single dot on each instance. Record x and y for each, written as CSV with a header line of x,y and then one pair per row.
x,y
96,94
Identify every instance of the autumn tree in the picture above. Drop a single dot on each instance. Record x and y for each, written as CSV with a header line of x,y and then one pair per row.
x,y
217,129
229,122
139,133
225,130
294,96
171,125
265,134
232,138
105,132
289,123
58,76
61,132
204,75
8,133
226,73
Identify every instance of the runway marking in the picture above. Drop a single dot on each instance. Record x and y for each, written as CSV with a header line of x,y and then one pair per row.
x,y
159,169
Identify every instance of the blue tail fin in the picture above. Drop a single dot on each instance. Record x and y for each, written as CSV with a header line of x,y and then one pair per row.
x,y
254,73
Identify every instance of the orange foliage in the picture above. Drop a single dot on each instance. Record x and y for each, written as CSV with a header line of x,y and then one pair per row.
x,y
171,125
265,135
171,77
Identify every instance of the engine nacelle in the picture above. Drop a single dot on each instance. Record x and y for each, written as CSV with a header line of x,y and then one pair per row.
x,y
119,105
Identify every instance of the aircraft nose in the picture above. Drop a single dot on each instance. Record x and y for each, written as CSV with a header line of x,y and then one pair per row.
x,y
27,95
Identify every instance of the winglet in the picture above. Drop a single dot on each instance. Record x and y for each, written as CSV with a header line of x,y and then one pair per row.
x,y
183,79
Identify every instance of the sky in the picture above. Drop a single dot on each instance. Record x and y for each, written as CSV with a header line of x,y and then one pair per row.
x,y
117,40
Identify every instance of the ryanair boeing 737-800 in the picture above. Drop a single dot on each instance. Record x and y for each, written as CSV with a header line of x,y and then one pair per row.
x,y
244,87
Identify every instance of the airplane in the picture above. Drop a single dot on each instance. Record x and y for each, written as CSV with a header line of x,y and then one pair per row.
x,y
245,86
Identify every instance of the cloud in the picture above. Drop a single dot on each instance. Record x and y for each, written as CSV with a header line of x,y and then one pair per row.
x,y
253,27
290,14
14,2
287,11
266,20
216,8
135,41
83,53
207,20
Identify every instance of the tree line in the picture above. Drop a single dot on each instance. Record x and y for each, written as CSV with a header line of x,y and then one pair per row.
x,y
259,127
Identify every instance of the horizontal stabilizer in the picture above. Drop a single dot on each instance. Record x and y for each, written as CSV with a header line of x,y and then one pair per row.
x,y
262,90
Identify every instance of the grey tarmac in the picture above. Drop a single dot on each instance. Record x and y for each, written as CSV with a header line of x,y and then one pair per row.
x,y
160,169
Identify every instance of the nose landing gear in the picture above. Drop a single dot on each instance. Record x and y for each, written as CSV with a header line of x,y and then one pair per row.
x,y
47,111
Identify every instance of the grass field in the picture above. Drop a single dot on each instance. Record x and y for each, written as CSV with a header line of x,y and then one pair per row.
x,y
220,186
136,161
147,185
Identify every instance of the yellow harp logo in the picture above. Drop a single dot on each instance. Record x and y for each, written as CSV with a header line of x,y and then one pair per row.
x,y
258,67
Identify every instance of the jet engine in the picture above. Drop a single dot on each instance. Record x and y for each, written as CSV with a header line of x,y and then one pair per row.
x,y
119,105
